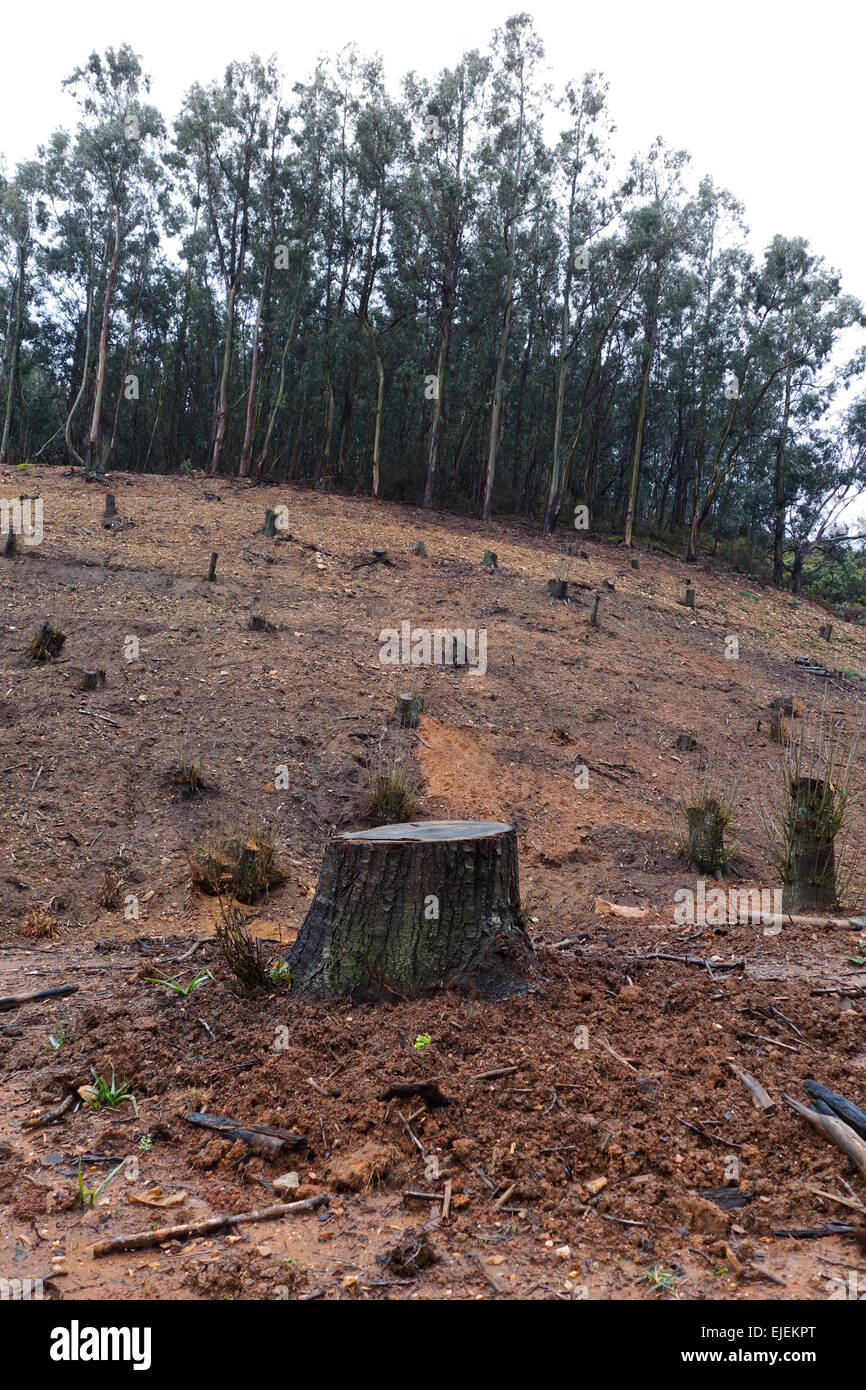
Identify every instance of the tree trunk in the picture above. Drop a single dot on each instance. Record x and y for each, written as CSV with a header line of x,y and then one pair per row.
x,y
403,910
810,870
16,348
94,459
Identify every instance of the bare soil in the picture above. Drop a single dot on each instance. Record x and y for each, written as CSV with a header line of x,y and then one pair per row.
x,y
580,1170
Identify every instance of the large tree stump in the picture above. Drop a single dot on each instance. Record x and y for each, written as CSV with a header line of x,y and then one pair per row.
x,y
810,869
403,910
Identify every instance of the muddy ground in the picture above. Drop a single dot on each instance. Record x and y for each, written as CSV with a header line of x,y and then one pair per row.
x,y
582,1170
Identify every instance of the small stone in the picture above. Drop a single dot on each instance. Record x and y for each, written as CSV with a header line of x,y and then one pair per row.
x,y
563,1252
287,1182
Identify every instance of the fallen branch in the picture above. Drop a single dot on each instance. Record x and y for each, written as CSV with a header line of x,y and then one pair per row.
x,y
49,1116
755,1089
14,1001
428,1091
838,1133
851,1114
262,1139
144,1240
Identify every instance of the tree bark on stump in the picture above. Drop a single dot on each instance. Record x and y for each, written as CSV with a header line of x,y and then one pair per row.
x,y
270,527
211,569
403,910
557,588
810,873
706,846
491,560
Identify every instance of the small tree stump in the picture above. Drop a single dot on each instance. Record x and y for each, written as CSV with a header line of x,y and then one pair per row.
x,y
92,680
706,844
810,828
419,548
826,631
270,527
557,588
593,617
408,708
490,561
635,562
689,600
10,545
403,910
110,509
211,569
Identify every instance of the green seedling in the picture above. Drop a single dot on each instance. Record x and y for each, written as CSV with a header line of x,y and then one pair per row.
x,y
56,1040
860,958
145,1143
176,986
111,1093
279,973
423,1040
660,1280
87,1196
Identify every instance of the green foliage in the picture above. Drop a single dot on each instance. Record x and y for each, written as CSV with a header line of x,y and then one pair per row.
x,y
101,1092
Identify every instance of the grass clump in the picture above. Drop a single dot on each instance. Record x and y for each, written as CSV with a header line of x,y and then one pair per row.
x,y
394,782
101,1092
185,772
704,827
47,644
246,957
242,866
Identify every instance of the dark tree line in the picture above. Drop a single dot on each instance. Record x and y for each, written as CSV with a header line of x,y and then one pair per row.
x,y
429,299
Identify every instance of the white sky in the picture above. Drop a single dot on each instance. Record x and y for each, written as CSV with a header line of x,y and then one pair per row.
x,y
767,95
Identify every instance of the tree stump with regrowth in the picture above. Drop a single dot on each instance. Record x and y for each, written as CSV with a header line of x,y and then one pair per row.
x,y
403,910
270,527
557,588
408,709
810,830
689,600
705,850
211,569
490,561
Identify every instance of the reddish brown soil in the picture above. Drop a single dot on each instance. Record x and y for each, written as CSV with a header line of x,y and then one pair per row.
x,y
586,1149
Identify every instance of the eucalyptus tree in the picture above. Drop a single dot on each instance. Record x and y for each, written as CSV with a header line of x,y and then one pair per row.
x,y
225,132
116,142
514,159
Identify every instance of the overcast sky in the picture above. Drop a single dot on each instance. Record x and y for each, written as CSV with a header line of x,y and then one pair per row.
x,y
767,96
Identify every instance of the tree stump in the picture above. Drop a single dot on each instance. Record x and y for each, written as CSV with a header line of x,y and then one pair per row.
x,y
557,588
110,509
270,527
10,544
635,563
593,617
408,708
810,867
706,845
491,560
211,569
420,548
826,631
403,910
689,600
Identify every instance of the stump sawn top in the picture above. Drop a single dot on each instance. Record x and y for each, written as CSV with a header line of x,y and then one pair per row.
x,y
426,830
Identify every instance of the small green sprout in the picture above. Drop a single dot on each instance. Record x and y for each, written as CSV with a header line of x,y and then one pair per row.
x,y
422,1040
660,1280
110,1093
280,972
183,990
145,1143
87,1196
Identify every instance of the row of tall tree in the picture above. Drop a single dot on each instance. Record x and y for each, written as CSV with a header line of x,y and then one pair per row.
x,y
426,297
